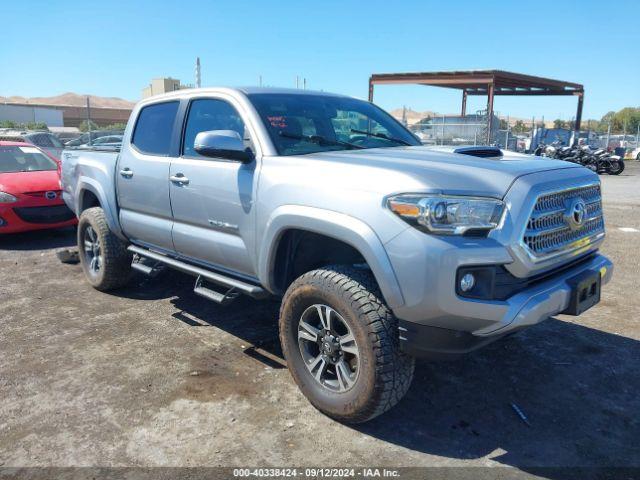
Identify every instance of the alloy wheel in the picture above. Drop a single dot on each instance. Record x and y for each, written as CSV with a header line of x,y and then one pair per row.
x,y
328,348
92,250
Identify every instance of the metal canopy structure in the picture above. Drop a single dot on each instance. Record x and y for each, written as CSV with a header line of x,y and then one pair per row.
x,y
485,82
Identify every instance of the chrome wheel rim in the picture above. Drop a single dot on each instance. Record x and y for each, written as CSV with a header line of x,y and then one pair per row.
x,y
92,250
328,348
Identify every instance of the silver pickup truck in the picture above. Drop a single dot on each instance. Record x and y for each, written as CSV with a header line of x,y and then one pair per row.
x,y
380,248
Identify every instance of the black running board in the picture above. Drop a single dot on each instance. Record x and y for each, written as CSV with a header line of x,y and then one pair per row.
x,y
138,263
222,298
231,283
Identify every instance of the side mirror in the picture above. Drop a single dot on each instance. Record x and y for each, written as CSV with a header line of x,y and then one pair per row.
x,y
222,144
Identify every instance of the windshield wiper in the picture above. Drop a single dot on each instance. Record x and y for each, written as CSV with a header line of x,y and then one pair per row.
x,y
318,139
382,135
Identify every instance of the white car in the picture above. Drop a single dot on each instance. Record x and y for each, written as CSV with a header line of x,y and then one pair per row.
x,y
106,141
635,154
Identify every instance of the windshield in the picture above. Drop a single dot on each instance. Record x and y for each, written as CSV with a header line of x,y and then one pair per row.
x,y
24,159
300,124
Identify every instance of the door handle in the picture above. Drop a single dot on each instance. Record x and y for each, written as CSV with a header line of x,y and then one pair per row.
x,y
126,172
179,178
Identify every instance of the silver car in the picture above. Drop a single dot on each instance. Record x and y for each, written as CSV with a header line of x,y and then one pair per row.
x,y
381,249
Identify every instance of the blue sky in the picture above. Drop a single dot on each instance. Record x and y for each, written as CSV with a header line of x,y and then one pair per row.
x,y
113,48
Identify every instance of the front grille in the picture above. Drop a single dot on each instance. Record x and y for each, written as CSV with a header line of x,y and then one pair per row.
x,y
43,193
55,214
548,229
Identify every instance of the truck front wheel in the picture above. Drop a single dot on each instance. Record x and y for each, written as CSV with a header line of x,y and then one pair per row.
x,y
104,257
341,344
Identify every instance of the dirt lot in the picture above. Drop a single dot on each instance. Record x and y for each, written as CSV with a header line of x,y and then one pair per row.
x,y
154,375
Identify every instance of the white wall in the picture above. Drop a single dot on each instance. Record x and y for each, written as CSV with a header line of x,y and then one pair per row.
x,y
25,114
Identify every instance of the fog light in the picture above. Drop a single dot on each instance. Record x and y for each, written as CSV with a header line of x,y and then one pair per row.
x,y
467,282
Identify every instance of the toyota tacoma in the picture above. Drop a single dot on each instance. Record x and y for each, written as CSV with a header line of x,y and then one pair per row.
x,y
381,249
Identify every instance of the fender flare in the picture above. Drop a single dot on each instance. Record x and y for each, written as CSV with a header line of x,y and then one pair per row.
x,y
345,228
93,186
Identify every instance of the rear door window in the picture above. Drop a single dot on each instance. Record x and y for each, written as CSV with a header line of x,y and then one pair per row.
x,y
154,127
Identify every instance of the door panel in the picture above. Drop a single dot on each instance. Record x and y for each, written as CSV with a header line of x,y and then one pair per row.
x,y
213,213
142,177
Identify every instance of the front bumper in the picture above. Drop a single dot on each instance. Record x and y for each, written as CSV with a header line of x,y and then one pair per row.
x,y
528,307
428,277
11,222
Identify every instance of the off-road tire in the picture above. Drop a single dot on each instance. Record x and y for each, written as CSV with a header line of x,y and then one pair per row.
x,y
116,260
385,373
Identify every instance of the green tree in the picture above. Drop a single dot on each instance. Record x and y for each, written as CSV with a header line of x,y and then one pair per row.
x,y
85,124
627,119
114,126
24,126
558,123
606,119
520,127
36,126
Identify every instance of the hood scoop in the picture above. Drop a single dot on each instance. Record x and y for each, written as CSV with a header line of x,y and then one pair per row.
x,y
482,152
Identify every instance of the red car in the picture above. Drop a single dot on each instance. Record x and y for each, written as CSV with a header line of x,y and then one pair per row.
x,y
30,195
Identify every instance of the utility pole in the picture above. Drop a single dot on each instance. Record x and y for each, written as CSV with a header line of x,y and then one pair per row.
x,y
198,78
533,134
89,119
608,135
506,137
304,83
297,81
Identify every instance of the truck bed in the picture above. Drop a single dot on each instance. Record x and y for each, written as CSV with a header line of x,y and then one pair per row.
x,y
91,170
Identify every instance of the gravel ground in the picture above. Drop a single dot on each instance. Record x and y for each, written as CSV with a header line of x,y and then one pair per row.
x,y
156,376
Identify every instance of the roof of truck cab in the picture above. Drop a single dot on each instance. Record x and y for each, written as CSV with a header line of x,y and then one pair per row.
x,y
290,91
242,90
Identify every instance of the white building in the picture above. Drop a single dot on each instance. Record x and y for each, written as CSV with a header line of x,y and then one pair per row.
x,y
26,114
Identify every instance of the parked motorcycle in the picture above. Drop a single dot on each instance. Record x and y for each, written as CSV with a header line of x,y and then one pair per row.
x,y
599,160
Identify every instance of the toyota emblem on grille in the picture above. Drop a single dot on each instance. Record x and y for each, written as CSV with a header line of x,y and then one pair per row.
x,y
51,195
575,213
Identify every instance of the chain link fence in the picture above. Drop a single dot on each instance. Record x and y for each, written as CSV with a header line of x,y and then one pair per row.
x,y
440,129
447,129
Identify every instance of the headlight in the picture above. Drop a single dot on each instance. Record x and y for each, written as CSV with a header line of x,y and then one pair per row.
x,y
7,198
448,215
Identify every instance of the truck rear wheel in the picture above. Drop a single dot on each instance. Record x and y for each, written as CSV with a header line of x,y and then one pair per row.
x,y
341,344
103,256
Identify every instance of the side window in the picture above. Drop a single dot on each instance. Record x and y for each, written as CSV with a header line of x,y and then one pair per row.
x,y
211,114
154,127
